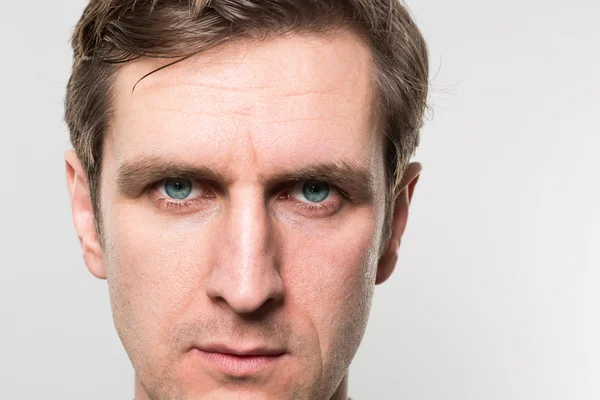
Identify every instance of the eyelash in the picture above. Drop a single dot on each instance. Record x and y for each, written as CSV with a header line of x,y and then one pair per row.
x,y
315,208
172,205
187,205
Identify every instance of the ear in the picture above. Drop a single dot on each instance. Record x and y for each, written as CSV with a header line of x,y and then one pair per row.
x,y
404,194
83,215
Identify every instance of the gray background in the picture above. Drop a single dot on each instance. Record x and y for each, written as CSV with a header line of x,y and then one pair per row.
x,y
497,291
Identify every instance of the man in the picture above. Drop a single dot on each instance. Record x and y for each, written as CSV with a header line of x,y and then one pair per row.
x,y
241,178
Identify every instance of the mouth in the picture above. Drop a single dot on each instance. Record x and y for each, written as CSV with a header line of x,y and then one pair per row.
x,y
239,362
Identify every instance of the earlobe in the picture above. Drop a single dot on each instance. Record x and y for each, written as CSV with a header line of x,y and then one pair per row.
x,y
388,260
83,215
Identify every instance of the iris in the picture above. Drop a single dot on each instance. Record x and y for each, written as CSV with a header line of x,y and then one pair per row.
x,y
315,192
178,189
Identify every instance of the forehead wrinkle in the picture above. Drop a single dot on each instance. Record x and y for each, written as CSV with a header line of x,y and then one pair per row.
x,y
210,87
308,93
320,118
275,89
199,64
251,147
255,107
192,80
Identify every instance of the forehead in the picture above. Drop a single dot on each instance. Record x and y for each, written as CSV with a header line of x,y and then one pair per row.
x,y
292,99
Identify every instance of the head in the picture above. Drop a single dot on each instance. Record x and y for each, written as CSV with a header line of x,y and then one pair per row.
x,y
241,178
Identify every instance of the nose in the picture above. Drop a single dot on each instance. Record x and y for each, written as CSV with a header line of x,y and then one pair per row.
x,y
246,276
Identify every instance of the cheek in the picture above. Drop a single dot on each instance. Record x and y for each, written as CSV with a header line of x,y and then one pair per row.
x,y
153,272
332,281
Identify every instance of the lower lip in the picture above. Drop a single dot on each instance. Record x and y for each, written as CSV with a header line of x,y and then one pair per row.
x,y
239,365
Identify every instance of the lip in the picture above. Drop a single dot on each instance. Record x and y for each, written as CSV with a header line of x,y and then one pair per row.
x,y
239,362
251,351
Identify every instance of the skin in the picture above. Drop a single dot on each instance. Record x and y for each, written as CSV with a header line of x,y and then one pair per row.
x,y
244,260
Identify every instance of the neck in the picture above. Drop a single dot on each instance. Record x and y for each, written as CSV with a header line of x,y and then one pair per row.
x,y
340,394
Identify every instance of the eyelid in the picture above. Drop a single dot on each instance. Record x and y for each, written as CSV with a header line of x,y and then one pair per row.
x,y
297,187
333,203
205,189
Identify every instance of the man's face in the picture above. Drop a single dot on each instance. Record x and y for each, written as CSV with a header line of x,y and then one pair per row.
x,y
242,198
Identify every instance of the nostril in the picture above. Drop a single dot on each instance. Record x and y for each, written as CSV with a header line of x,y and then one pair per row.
x,y
244,296
250,301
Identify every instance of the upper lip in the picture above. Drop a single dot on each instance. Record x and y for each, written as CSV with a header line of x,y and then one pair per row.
x,y
250,351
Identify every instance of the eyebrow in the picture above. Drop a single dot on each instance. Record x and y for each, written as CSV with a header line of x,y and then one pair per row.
x,y
355,181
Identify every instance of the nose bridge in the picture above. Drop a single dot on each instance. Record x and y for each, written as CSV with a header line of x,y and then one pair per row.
x,y
248,234
247,275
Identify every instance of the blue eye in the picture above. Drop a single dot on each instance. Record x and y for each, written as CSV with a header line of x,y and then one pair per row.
x,y
178,189
315,192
